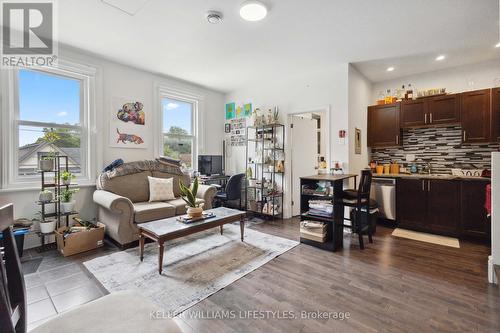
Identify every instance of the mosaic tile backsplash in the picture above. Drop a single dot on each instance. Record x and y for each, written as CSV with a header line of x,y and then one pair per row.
x,y
442,147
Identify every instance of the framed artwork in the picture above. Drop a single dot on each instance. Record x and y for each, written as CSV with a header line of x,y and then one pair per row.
x,y
227,128
127,125
247,109
230,110
357,141
239,110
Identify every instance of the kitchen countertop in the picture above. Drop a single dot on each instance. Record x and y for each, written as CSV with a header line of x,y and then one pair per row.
x,y
430,176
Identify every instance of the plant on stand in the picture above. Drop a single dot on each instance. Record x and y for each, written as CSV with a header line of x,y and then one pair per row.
x,y
47,225
67,202
194,209
47,161
67,177
45,196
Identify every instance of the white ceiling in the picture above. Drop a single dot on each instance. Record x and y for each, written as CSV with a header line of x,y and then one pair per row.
x,y
173,38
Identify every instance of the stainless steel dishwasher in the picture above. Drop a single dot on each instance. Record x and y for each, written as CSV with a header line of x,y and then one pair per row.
x,y
383,191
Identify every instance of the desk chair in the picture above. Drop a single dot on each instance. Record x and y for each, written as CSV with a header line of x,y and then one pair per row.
x,y
232,191
360,200
120,312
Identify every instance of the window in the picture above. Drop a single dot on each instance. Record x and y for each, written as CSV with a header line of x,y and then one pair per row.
x,y
49,120
48,111
179,140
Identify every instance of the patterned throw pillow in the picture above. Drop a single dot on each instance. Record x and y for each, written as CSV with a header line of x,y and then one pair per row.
x,y
161,189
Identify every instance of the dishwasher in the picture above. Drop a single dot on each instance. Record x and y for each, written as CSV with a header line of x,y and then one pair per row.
x,y
383,191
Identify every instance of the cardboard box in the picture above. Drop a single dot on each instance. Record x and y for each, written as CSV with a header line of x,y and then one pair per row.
x,y
81,241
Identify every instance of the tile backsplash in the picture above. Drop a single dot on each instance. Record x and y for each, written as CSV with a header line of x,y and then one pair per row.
x,y
441,146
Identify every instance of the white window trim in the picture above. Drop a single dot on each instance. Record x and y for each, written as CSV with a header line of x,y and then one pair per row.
x,y
193,98
10,123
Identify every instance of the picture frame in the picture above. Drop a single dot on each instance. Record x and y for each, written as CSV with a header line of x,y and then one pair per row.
x,y
357,141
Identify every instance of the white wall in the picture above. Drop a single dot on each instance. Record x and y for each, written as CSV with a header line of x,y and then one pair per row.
x,y
314,91
360,91
116,80
455,79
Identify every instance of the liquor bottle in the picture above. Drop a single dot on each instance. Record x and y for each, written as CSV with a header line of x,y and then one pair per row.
x,y
388,97
410,91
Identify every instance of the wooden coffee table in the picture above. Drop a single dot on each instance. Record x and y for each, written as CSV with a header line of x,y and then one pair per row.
x,y
168,229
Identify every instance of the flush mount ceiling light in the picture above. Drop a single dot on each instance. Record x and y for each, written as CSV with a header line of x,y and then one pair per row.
x,y
214,17
390,69
253,11
497,45
440,57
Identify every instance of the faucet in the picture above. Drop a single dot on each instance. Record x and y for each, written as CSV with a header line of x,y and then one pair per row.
x,y
428,167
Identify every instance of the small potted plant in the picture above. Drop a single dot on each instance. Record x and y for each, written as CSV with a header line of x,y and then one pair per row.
x,y
67,204
47,163
47,225
67,177
45,196
194,209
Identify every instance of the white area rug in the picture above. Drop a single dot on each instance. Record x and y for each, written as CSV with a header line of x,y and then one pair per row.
x,y
428,238
194,267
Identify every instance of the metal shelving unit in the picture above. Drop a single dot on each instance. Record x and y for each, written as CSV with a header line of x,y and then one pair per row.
x,y
264,143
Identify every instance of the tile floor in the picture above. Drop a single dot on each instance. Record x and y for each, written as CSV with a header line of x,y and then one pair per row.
x,y
60,284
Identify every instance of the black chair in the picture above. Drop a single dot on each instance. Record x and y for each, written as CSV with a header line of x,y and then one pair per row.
x,y
232,192
12,290
360,200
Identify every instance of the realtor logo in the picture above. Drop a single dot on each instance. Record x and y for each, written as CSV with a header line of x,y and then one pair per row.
x,y
28,33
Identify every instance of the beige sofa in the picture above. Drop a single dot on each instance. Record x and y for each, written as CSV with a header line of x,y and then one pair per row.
x,y
122,197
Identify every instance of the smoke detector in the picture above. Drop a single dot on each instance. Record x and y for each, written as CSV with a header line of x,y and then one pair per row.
x,y
213,17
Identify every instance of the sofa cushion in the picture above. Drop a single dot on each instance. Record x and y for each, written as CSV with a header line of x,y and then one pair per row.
x,y
183,178
180,205
134,186
149,211
161,189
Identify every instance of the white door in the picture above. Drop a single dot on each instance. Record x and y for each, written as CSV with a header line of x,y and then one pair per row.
x,y
304,155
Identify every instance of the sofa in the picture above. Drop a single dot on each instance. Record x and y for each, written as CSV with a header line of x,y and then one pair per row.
x,y
122,198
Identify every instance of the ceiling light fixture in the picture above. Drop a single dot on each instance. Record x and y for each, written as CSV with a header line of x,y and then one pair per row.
x,y
253,11
498,45
390,69
440,57
214,17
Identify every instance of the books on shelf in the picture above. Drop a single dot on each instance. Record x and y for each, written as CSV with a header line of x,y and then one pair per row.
x,y
323,208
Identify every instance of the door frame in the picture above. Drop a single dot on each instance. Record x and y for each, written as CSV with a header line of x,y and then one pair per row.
x,y
326,110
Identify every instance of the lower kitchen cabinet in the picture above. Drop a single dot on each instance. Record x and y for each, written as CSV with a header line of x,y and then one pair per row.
x,y
429,205
474,222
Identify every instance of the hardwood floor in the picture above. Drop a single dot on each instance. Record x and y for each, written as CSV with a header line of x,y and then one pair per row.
x,y
394,285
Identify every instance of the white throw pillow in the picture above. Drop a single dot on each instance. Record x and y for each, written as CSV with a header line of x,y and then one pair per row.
x,y
161,189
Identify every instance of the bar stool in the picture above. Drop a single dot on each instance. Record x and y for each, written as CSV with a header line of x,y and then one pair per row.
x,y
360,200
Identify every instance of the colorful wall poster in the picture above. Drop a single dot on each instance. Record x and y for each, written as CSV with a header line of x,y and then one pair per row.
x,y
127,124
247,109
239,110
230,110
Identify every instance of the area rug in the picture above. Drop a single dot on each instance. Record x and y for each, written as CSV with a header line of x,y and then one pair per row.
x,y
194,267
428,238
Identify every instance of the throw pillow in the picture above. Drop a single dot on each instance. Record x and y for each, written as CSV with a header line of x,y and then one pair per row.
x,y
161,189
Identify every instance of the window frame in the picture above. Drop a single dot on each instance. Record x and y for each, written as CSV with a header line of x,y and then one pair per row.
x,y
186,97
10,178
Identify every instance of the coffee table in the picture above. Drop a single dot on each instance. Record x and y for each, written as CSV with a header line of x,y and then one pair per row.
x,y
169,228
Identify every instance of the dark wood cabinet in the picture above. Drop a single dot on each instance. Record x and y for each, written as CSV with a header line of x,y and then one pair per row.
x,y
411,203
475,115
474,221
443,110
495,115
414,113
428,205
443,206
383,126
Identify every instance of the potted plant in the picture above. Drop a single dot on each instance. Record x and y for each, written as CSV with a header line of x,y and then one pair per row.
x,y
47,161
45,196
67,204
47,225
67,177
194,209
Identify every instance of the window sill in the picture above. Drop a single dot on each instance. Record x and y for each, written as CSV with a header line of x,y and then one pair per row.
x,y
36,188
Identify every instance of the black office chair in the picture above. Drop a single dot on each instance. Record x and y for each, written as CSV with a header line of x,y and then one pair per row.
x,y
12,291
360,200
232,192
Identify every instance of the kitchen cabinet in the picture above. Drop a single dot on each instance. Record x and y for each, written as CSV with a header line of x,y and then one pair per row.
x,y
383,126
474,221
443,110
429,205
414,112
495,116
475,116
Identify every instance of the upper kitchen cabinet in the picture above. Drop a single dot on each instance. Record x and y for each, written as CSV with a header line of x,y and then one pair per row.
x,y
495,116
383,126
475,115
414,113
443,110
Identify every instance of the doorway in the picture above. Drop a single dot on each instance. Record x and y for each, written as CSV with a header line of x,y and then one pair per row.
x,y
309,142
